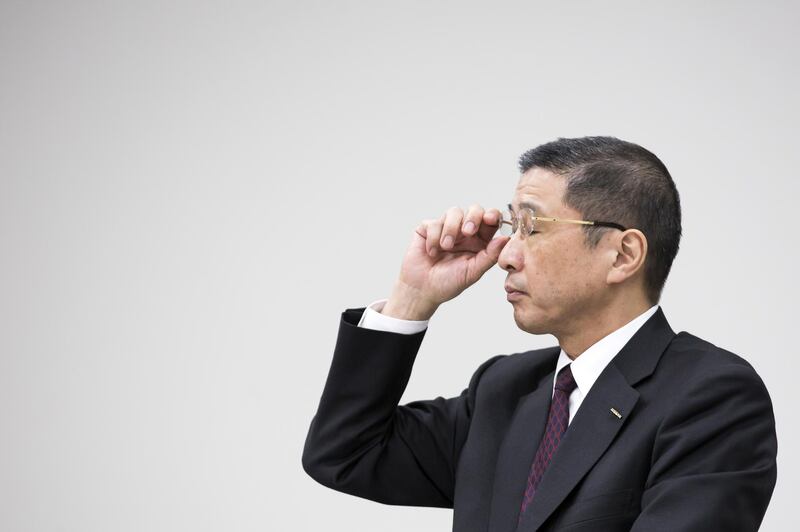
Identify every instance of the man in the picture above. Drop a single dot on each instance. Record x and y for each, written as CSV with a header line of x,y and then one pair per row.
x,y
625,425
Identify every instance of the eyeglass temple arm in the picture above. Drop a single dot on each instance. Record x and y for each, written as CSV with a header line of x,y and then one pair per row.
x,y
610,224
582,222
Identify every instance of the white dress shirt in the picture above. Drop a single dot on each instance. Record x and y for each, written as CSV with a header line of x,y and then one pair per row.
x,y
591,363
585,369
373,319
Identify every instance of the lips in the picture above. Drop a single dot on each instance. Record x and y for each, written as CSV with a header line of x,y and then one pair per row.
x,y
510,289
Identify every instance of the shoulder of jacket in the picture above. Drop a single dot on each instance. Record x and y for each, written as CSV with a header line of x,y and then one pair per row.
x,y
514,374
692,351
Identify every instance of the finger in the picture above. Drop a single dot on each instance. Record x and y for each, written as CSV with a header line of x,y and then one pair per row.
x,y
490,225
452,226
492,216
434,231
472,221
488,257
422,228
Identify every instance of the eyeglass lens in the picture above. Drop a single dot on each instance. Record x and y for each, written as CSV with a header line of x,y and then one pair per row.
x,y
511,223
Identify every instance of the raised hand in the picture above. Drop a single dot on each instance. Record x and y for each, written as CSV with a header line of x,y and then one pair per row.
x,y
446,256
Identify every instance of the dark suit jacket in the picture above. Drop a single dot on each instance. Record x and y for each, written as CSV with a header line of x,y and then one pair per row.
x,y
695,449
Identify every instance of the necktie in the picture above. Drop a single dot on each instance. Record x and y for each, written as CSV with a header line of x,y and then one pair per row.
x,y
557,422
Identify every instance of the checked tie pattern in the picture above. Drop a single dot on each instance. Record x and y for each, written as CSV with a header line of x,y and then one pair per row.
x,y
557,422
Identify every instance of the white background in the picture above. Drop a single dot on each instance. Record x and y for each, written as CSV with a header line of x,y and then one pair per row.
x,y
192,192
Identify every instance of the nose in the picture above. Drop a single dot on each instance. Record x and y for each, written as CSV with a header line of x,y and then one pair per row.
x,y
511,257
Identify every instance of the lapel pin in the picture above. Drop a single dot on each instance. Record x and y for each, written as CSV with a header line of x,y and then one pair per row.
x,y
614,411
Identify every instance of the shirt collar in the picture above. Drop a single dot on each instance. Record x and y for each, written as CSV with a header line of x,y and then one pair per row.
x,y
591,363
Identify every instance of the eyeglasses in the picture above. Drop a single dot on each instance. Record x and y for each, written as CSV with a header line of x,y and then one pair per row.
x,y
526,219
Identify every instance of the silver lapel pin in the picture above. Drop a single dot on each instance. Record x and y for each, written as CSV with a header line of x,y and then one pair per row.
x,y
614,411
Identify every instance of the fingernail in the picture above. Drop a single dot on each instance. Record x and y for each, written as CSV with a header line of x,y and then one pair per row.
x,y
469,227
448,241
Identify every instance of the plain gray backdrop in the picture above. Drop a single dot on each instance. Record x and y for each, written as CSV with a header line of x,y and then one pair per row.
x,y
192,192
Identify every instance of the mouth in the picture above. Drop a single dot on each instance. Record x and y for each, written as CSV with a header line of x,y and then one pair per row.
x,y
513,294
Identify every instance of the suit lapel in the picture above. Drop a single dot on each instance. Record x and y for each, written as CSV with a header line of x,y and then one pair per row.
x,y
590,433
516,453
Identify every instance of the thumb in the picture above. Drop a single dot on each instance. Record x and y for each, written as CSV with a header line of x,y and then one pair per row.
x,y
487,258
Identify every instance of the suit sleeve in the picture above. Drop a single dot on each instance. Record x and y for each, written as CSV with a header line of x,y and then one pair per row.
x,y
362,443
714,458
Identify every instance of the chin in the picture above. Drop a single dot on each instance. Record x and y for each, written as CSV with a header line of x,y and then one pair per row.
x,y
534,328
530,324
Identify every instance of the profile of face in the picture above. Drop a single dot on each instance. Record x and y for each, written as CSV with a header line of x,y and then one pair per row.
x,y
563,280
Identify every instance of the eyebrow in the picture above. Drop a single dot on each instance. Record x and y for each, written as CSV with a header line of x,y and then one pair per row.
x,y
538,211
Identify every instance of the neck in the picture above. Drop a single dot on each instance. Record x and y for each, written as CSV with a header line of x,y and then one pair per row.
x,y
588,330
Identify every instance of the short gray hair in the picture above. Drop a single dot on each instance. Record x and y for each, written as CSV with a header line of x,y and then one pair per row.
x,y
613,180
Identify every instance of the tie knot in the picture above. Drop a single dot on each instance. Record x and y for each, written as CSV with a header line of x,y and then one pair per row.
x,y
565,381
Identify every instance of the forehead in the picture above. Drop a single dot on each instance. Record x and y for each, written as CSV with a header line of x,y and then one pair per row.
x,y
542,190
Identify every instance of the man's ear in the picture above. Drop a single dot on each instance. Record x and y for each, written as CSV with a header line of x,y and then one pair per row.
x,y
631,251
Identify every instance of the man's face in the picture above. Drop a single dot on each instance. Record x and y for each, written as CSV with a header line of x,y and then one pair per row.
x,y
563,279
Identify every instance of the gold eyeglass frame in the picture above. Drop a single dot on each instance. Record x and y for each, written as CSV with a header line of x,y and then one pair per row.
x,y
535,218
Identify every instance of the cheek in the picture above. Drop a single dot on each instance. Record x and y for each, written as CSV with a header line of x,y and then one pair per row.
x,y
585,277
560,268
547,264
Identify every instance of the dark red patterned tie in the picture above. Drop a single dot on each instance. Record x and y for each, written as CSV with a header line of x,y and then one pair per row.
x,y
557,422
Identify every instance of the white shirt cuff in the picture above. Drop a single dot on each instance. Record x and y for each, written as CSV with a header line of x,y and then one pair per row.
x,y
373,319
